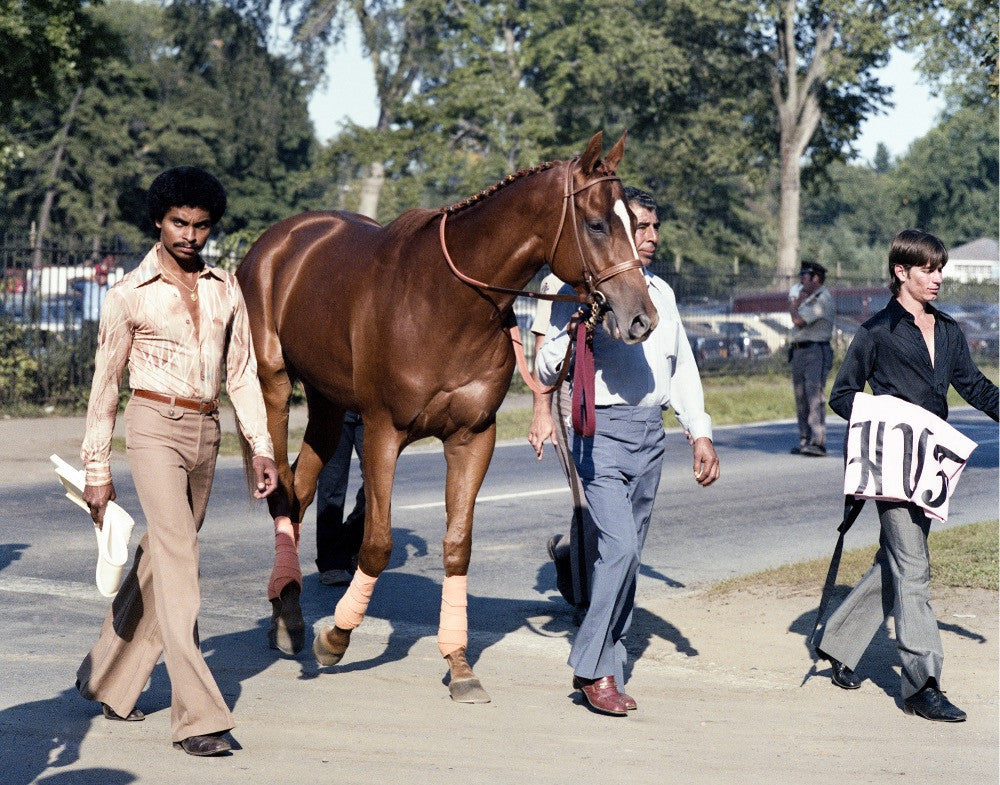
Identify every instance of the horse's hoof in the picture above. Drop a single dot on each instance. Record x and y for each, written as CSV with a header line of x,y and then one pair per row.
x,y
288,630
468,691
324,656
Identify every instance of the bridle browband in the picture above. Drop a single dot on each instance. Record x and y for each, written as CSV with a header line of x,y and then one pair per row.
x,y
591,280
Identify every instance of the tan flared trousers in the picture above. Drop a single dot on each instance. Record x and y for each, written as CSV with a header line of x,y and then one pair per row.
x,y
172,453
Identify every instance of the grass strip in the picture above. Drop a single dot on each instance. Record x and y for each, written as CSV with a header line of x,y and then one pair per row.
x,y
963,556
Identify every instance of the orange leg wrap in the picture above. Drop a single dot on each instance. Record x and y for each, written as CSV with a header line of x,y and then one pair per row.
x,y
354,604
453,634
286,556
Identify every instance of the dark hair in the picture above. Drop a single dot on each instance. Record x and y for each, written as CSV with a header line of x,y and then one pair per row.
x,y
914,248
641,198
186,186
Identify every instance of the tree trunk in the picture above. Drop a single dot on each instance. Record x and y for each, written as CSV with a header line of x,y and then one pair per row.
x,y
794,88
371,189
45,211
788,213
95,241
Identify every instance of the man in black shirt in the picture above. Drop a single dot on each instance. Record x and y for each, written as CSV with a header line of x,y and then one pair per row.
x,y
912,351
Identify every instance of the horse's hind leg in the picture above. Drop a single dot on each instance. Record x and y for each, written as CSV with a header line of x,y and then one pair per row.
x,y
468,456
382,444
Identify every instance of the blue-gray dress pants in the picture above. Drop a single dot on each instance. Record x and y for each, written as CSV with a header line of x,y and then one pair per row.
x,y
620,470
899,582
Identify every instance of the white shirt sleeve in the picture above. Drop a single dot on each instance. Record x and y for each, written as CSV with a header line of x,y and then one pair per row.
x,y
687,397
549,362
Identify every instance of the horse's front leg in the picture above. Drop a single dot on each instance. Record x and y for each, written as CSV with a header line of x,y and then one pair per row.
x,y
382,445
468,456
287,630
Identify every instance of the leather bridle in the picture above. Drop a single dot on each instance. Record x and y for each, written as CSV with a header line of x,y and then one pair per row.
x,y
591,279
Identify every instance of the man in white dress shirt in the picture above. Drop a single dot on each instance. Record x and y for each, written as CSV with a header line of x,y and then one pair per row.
x,y
620,465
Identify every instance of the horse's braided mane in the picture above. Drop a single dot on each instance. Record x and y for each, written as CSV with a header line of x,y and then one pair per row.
x,y
459,206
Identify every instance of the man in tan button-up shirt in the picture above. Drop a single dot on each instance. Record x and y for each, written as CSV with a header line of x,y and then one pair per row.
x,y
174,322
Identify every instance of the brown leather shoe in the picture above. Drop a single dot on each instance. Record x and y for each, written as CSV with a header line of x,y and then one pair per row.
x,y
630,704
203,746
602,695
133,716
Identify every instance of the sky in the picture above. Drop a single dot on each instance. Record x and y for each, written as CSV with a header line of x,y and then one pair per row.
x,y
349,94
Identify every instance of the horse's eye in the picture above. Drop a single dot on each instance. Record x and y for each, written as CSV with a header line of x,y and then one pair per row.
x,y
597,226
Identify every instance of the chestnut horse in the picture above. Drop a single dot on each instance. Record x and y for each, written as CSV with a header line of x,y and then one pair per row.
x,y
372,319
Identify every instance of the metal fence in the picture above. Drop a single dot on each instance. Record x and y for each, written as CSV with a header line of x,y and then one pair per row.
x,y
48,319
735,320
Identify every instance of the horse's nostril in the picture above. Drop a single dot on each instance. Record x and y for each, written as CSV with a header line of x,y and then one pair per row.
x,y
640,326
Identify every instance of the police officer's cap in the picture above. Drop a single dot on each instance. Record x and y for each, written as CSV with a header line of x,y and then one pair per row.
x,y
813,268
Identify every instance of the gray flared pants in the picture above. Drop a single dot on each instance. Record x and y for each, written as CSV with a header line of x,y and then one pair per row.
x,y
898,583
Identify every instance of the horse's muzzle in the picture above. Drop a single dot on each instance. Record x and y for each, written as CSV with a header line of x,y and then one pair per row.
x,y
638,329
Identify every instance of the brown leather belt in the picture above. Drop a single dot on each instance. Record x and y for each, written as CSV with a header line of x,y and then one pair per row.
x,y
202,407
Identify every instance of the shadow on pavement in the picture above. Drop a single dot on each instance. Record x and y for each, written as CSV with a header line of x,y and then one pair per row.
x,y
880,662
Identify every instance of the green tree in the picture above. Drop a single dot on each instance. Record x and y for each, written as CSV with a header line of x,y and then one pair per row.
x,y
947,183
257,99
849,217
192,84
44,43
820,55
398,38
507,84
958,45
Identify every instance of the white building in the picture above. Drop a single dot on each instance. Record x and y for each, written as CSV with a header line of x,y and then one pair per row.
x,y
975,262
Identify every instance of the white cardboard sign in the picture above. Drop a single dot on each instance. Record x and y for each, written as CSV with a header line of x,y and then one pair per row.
x,y
898,451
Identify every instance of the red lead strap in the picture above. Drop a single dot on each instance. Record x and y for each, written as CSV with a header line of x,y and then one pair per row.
x,y
583,383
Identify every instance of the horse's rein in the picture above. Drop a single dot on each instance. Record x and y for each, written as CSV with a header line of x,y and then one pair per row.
x,y
566,298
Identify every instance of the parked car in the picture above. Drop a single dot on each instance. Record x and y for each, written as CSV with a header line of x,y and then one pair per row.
x,y
758,347
55,314
742,340
709,347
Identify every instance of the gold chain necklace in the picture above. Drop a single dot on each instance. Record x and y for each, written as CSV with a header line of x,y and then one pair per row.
x,y
192,289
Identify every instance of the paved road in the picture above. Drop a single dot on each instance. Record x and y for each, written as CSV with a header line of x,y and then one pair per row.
x,y
768,508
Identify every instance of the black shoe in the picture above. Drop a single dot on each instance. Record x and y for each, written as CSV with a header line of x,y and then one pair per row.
x,y
204,746
796,449
564,574
550,546
812,450
931,704
84,690
840,674
133,716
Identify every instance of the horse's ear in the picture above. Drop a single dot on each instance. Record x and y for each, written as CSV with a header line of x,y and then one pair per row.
x,y
592,155
614,157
